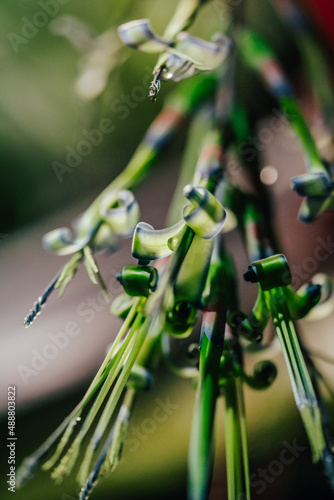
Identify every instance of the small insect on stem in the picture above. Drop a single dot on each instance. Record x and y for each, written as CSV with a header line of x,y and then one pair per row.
x,y
155,85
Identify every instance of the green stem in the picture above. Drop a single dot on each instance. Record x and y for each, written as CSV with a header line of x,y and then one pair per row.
x,y
244,440
139,338
69,459
201,448
302,387
298,124
183,17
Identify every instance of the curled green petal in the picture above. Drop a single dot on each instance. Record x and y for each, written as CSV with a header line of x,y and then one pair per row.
x,y
120,211
139,35
204,214
271,272
317,187
139,378
181,57
68,272
104,239
252,327
150,244
180,317
191,279
204,55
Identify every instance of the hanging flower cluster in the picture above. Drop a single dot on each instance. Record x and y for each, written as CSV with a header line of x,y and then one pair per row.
x,y
184,272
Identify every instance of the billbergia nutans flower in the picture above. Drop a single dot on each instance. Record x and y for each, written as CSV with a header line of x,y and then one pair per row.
x,y
184,274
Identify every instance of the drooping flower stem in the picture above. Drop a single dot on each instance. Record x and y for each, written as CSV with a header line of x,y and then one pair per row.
x,y
183,17
130,343
201,448
31,463
110,454
233,440
139,337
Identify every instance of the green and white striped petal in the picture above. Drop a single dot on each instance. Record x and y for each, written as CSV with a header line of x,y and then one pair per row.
x,y
121,212
204,213
139,35
150,244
